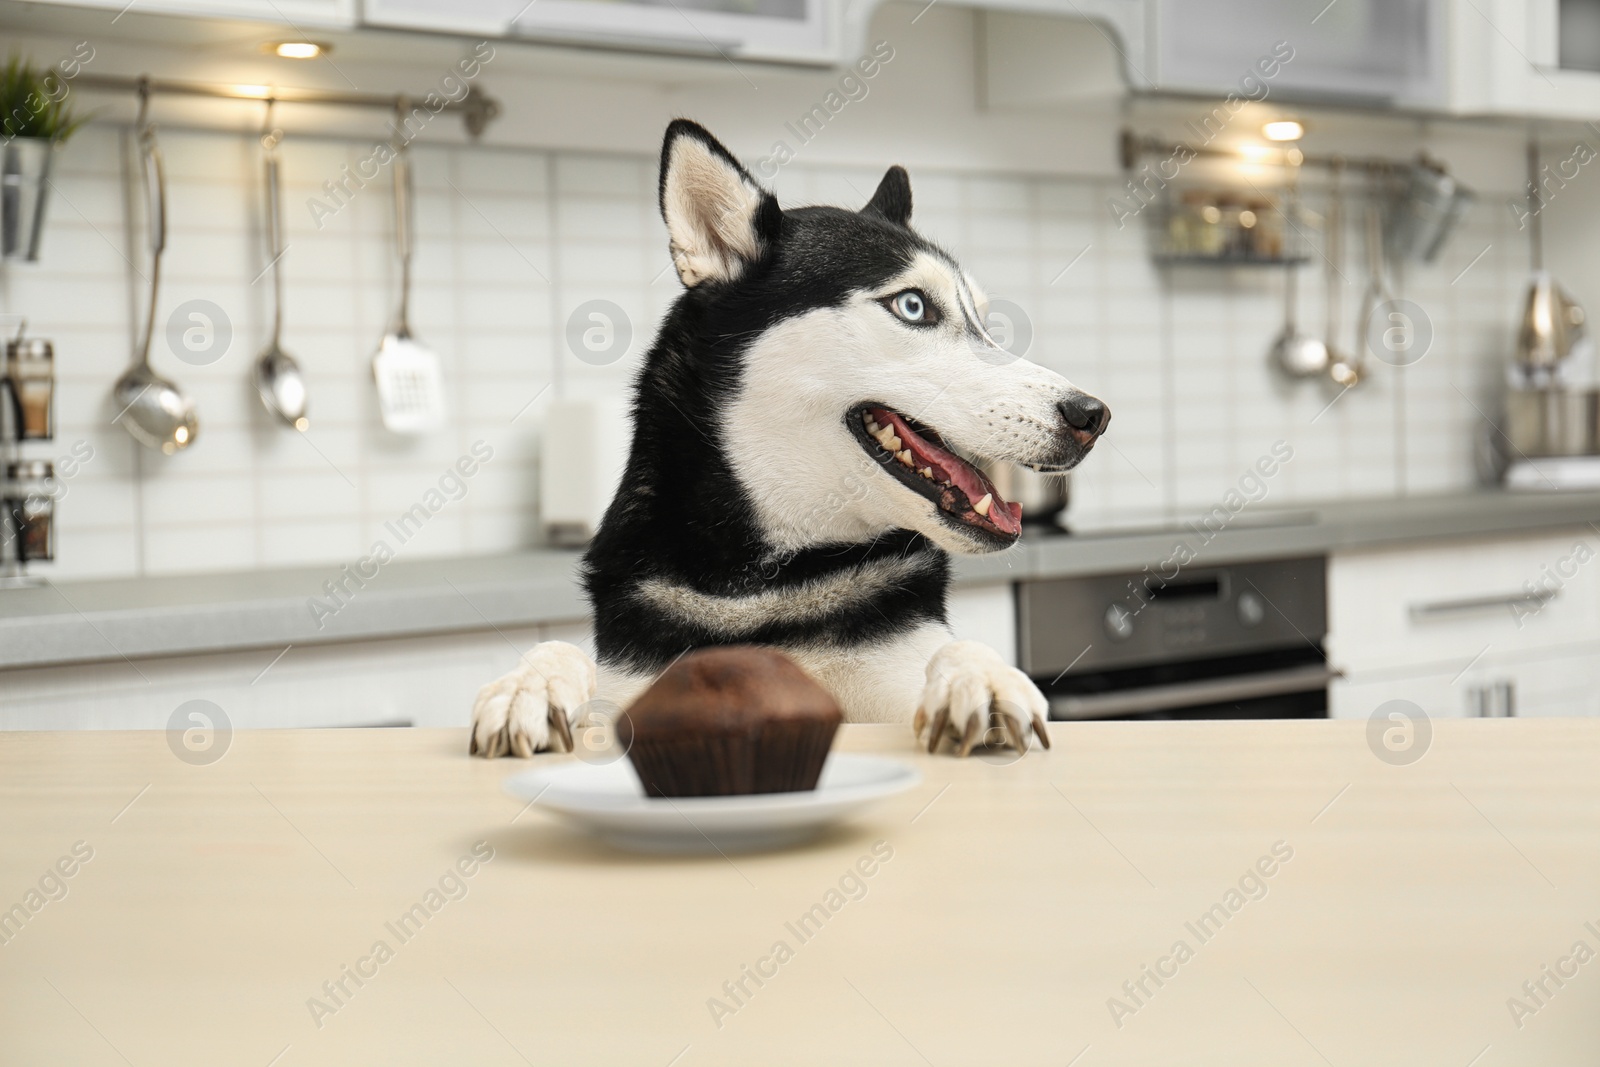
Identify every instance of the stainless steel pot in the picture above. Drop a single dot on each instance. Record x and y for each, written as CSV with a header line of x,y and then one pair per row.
x,y
1553,422
1044,497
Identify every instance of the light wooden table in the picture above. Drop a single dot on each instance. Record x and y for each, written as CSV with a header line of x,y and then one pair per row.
x,y
1016,903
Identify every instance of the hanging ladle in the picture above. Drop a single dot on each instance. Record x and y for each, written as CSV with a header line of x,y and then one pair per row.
x,y
1346,368
1296,354
154,410
1373,302
277,376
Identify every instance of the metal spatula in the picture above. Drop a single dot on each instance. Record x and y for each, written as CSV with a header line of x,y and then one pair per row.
x,y
410,387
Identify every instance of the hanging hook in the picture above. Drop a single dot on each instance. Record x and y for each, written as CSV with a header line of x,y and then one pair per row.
x,y
143,89
1535,203
402,105
271,136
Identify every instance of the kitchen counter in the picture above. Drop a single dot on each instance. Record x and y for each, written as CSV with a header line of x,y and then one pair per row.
x,y
1396,910
1318,529
93,621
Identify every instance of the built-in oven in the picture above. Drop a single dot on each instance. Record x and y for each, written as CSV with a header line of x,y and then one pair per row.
x,y
1242,641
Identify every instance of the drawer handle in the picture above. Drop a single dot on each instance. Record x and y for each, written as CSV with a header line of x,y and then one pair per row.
x,y
1193,694
1510,601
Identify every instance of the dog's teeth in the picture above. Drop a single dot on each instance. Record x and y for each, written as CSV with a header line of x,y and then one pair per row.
x,y
982,506
926,472
904,457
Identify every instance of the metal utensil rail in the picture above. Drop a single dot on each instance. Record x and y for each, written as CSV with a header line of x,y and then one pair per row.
x,y
1134,147
476,108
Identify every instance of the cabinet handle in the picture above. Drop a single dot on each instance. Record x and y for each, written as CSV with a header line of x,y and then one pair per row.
x,y
1496,700
1433,609
676,44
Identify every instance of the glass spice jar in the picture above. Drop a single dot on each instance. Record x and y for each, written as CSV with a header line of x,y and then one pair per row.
x,y
1266,230
31,504
1210,238
30,375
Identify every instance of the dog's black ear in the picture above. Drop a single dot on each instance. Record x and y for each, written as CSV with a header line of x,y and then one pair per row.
x,y
718,219
892,201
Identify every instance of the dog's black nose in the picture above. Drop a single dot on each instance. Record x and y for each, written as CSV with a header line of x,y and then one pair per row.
x,y
1085,414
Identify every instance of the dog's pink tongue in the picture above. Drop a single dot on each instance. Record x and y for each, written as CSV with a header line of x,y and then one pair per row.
x,y
1003,514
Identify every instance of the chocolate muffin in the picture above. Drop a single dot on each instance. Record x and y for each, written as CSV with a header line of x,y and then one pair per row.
x,y
724,721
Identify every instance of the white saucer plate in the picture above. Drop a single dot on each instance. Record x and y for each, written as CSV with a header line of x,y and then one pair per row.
x,y
609,801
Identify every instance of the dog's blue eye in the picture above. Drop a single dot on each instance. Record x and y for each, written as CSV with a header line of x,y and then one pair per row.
x,y
910,306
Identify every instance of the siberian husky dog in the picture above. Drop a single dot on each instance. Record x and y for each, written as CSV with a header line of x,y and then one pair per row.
x,y
804,435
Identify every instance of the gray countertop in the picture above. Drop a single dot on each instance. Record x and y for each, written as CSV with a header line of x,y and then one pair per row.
x,y
91,621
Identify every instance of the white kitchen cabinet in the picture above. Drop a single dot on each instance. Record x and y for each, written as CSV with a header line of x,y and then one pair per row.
x,y
1539,58
1363,51
1506,58
1385,52
319,14
1530,686
1538,686
410,681
806,31
1506,626
1436,604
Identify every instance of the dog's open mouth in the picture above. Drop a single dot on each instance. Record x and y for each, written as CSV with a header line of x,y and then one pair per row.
x,y
916,455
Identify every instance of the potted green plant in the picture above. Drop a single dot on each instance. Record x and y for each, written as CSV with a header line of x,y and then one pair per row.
x,y
35,119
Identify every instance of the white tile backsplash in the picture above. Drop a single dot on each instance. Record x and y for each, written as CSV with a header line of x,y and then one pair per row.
x,y
510,242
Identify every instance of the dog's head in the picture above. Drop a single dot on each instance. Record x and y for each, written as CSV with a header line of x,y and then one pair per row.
x,y
864,385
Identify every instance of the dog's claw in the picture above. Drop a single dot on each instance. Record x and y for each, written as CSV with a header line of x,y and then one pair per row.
x,y
970,736
941,719
562,728
519,745
1014,732
1041,732
919,722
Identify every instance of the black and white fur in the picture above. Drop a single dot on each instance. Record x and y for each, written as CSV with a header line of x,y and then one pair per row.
x,y
755,506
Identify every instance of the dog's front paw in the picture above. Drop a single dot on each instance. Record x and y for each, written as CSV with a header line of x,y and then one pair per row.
x,y
972,692
517,712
